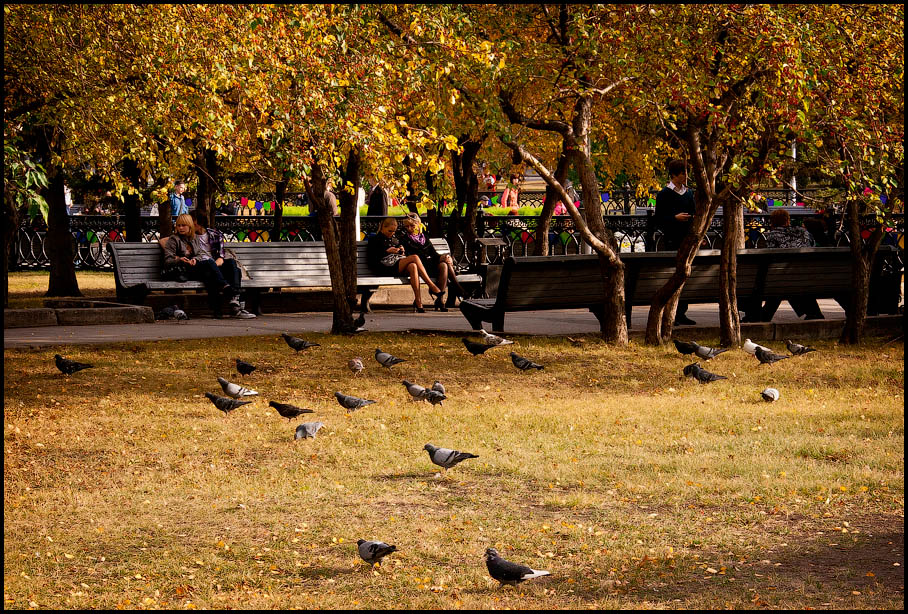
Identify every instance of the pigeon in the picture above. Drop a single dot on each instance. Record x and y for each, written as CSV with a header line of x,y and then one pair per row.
x,y
692,347
351,403
416,391
373,552
750,347
770,394
493,340
289,411
298,344
165,314
523,364
438,387
797,349
179,314
435,397
225,404
307,429
355,365
235,390
701,375
68,367
507,572
244,368
475,348
386,360
445,458
767,356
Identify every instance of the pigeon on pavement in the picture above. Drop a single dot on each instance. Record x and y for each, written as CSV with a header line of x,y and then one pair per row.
x,y
475,348
416,391
235,390
355,365
289,411
165,314
298,344
797,349
373,552
493,340
351,403
523,364
307,429
225,404
68,367
434,397
244,368
438,387
701,375
768,357
386,360
179,314
750,347
692,347
770,394
507,572
445,458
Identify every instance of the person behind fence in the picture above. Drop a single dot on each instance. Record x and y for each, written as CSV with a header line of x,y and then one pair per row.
x,y
781,235
184,260
177,200
415,242
385,256
674,214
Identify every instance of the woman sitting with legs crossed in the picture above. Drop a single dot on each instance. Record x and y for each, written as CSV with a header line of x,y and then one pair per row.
x,y
416,242
386,257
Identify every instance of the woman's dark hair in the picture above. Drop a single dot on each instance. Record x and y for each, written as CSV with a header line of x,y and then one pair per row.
x,y
779,218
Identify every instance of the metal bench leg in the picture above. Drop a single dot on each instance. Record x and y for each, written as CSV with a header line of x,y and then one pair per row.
x,y
498,324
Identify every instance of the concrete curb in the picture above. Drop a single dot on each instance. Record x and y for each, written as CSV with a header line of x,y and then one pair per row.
x,y
77,313
24,318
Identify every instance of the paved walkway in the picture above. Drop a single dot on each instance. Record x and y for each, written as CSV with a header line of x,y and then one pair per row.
x,y
558,322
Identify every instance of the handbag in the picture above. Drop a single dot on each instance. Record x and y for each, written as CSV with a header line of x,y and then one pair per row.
x,y
390,259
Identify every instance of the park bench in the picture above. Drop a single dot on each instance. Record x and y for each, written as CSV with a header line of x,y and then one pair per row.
x,y
572,282
270,266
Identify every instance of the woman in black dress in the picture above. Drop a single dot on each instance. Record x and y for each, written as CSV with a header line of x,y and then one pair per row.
x,y
386,257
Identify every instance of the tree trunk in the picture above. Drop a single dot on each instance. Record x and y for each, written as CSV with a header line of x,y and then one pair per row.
x,y
410,198
729,319
280,191
165,220
342,321
863,254
466,185
551,197
662,309
207,170
348,212
59,241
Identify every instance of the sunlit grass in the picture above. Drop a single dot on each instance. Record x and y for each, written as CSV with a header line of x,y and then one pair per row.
x,y
27,288
124,486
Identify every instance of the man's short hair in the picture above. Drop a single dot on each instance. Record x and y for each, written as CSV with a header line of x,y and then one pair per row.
x,y
676,167
779,218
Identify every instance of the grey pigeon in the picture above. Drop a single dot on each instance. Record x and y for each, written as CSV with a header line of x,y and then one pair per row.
x,y
523,364
493,340
298,344
416,391
289,411
387,360
692,347
373,552
475,348
434,397
225,404
355,365
244,368
770,394
507,572
438,387
235,390
351,403
445,458
307,430
701,375
179,314
68,367
797,349
768,357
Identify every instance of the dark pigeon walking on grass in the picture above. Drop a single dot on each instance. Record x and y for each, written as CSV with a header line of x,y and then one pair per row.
x,y
373,552
387,360
351,403
475,348
797,349
507,572
768,357
289,411
225,404
692,347
446,458
307,430
68,367
434,397
701,375
244,368
298,344
235,390
523,363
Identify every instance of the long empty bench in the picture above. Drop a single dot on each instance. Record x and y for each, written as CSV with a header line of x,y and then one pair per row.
x,y
270,267
571,282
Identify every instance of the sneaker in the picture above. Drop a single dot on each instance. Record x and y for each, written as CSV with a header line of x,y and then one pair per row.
x,y
242,314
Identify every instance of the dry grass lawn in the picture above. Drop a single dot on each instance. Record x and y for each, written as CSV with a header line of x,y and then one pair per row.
x,y
125,488
27,288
